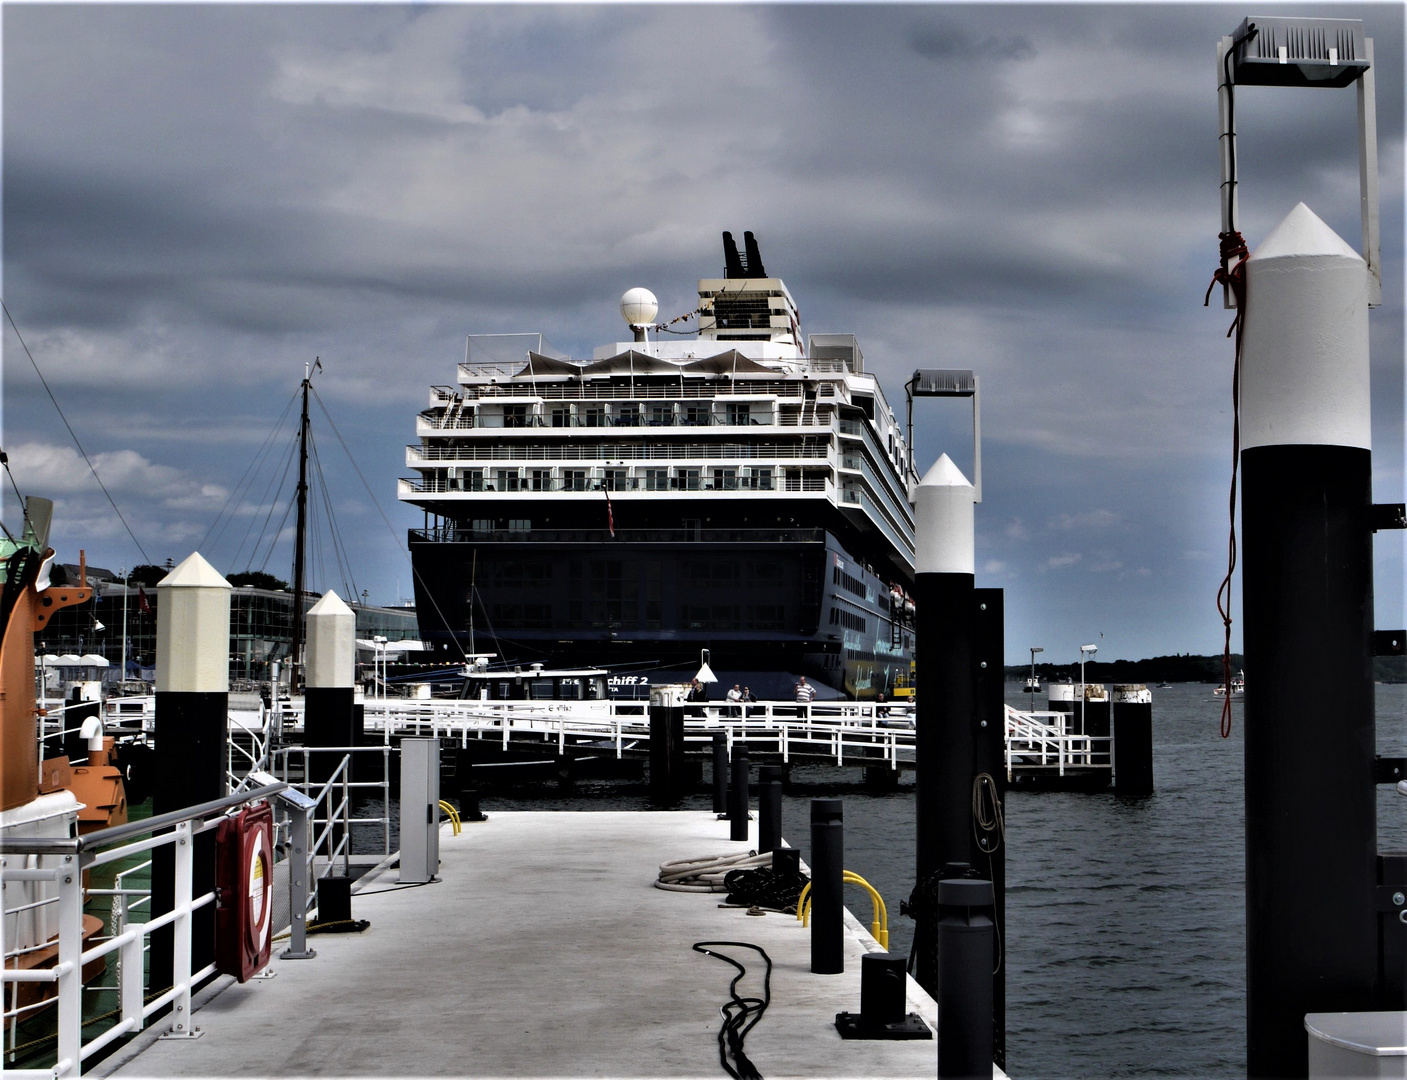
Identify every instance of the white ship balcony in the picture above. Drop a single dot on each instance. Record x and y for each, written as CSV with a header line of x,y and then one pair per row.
x,y
429,424
410,488
421,456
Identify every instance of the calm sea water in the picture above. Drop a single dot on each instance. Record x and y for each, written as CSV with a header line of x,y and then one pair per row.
x,y
1125,920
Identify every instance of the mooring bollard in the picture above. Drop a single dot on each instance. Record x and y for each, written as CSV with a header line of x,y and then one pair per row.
x,y
827,893
965,943
738,811
720,773
769,808
1132,710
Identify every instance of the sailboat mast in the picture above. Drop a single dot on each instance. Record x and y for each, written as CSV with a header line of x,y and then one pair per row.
x,y
300,540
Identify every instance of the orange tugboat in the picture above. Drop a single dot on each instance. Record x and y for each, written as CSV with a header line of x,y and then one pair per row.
x,y
52,798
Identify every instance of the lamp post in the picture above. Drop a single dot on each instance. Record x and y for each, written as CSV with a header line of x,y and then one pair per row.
x,y
931,382
1085,652
379,664
123,677
1031,683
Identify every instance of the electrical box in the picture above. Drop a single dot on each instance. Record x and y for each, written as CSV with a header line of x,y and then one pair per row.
x,y
420,809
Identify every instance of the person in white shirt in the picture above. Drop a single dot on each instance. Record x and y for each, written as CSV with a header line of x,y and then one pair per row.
x,y
735,697
805,693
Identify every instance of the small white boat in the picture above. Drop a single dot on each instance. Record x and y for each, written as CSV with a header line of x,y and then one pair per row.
x,y
1238,686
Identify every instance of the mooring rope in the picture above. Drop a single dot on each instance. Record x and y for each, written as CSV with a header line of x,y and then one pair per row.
x,y
706,873
740,1014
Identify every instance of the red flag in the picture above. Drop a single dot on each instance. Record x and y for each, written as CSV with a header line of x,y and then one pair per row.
x,y
610,516
142,604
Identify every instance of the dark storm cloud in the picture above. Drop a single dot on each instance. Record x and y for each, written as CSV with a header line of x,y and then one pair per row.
x,y
199,199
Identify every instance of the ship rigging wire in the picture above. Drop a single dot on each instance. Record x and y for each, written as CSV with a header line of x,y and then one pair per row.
x,y
71,433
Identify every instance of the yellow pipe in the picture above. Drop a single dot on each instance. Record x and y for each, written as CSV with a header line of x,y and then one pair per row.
x,y
879,927
452,814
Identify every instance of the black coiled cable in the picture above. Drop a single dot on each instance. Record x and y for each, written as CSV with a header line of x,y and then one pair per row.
x,y
741,1014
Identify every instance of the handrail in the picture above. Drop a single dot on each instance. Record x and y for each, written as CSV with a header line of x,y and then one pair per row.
x,y
40,845
879,927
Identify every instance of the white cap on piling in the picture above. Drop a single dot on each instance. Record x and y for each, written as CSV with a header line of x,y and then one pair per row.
x,y
1304,353
193,629
944,521
332,644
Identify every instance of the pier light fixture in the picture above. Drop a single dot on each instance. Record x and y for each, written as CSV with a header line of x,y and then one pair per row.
x,y
1085,652
1031,683
1310,53
943,382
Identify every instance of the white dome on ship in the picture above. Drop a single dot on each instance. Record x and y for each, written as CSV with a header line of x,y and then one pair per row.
x,y
639,307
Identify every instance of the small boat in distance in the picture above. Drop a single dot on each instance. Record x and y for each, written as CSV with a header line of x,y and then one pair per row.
x,y
1238,686
1033,684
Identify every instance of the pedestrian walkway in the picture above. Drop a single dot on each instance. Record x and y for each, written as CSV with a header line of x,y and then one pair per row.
x,y
543,950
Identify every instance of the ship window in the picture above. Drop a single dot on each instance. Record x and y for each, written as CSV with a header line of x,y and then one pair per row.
x,y
725,479
573,479
761,480
689,479
656,479
483,525
507,479
613,479
522,616
595,416
765,616
542,479
629,416
696,416
474,480
739,414
515,416
561,416
661,415
520,525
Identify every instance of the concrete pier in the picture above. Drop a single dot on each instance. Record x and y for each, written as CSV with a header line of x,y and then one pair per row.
x,y
545,950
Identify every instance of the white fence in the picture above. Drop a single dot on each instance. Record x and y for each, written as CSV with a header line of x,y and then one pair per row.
x,y
1043,741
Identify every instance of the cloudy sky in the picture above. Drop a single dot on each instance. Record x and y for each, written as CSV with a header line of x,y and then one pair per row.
x,y
198,200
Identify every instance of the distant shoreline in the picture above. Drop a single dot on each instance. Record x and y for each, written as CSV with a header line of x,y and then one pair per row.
x,y
1185,668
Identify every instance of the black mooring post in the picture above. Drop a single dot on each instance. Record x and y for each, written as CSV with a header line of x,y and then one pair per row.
x,y
738,813
944,716
1307,600
966,938
720,773
988,850
1132,710
666,744
827,887
769,808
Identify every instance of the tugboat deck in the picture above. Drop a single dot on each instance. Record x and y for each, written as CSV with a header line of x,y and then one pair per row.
x,y
544,950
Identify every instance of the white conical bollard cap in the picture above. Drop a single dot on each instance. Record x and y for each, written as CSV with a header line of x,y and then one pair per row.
x,y
193,629
944,521
332,644
1304,353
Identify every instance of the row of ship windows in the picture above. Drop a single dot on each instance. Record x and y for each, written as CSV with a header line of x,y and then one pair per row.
x,y
624,616
664,479
847,619
663,415
848,582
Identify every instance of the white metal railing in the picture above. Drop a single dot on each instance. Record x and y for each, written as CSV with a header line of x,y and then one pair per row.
x,y
1043,740
60,864
334,825
835,729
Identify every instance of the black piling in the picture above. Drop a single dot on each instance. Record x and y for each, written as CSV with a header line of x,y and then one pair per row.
x,y
966,938
720,773
1133,742
769,808
827,887
328,722
739,796
667,779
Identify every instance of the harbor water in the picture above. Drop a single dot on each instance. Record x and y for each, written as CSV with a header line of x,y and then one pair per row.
x,y
1125,920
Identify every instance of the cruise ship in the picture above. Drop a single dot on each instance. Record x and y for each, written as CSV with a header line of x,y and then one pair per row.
x,y
738,496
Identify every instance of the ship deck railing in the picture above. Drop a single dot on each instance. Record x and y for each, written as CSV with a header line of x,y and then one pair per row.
x,y
576,451
1044,742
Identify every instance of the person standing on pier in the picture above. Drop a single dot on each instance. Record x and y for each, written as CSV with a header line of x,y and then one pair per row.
x,y
735,699
805,694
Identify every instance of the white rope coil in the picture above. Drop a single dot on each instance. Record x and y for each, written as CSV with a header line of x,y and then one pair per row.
x,y
705,873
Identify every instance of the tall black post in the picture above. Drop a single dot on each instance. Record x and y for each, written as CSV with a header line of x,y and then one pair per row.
x,y
827,887
1132,710
966,938
666,743
769,808
720,773
1311,827
944,715
192,720
739,797
988,833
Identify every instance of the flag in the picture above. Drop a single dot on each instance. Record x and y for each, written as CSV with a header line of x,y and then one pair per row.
x,y
610,516
142,604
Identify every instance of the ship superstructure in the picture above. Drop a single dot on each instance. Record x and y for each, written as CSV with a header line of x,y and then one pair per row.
x,y
735,491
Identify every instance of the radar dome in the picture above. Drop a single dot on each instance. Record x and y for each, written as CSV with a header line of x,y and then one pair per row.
x,y
639,307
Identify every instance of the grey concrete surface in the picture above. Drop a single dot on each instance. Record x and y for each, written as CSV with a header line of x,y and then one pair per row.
x,y
543,951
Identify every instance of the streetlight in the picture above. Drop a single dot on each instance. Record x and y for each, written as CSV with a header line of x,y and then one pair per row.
x,y
932,382
1085,651
1303,52
380,662
1031,683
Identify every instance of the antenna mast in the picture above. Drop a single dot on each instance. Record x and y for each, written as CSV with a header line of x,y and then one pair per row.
x,y
300,540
